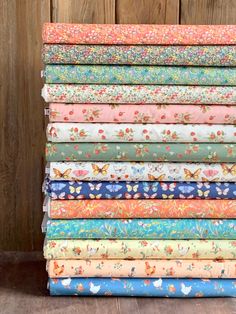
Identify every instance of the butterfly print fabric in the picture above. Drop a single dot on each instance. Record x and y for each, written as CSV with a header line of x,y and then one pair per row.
x,y
148,133
152,229
69,190
166,287
140,249
141,268
143,94
140,151
135,113
74,209
148,171
144,55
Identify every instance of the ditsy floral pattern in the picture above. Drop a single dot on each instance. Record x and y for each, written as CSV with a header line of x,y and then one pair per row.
x,y
139,190
139,171
148,55
157,113
141,229
166,208
139,34
140,152
166,287
142,268
156,75
140,249
157,133
143,94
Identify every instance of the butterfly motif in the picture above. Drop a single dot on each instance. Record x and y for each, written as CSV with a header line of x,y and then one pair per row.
x,y
165,196
212,180
204,194
113,187
228,170
153,178
185,197
58,174
117,196
222,192
119,170
192,175
97,197
132,196
152,196
168,186
57,186
203,184
138,171
186,189
131,188
97,170
95,187
210,172
80,172
77,190
176,178
174,170
55,196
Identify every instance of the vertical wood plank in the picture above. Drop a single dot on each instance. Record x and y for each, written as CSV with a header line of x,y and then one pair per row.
x,y
22,122
147,11
83,11
208,12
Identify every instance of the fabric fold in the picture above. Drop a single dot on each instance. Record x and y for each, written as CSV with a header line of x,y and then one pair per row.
x,y
148,171
134,75
166,287
148,55
141,229
141,268
140,249
125,34
140,152
143,94
139,190
73,209
135,113
156,133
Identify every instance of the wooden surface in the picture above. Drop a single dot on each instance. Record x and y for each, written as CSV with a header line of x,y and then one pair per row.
x,y
23,290
21,107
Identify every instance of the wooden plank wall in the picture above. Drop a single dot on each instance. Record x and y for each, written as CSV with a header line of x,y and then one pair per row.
x,y
21,107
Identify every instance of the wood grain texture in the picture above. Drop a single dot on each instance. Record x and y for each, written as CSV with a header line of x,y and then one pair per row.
x,y
23,290
208,12
22,122
147,11
83,11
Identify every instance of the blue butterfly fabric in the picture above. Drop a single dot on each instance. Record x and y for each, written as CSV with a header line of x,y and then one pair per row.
x,y
139,190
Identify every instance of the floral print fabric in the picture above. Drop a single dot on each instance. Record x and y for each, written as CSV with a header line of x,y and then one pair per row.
x,y
166,208
148,171
143,94
140,249
166,133
131,74
106,113
142,268
140,152
124,34
148,55
166,287
139,190
141,229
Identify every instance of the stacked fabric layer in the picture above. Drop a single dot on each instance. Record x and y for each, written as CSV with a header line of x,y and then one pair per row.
x,y
141,174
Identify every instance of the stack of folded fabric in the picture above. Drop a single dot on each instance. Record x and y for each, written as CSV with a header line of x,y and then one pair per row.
x,y
141,150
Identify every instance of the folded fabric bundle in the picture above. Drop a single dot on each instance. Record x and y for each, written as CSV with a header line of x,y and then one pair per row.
x,y
140,249
131,74
65,33
167,133
141,229
140,151
142,268
73,209
143,94
148,55
148,171
106,113
139,190
166,287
